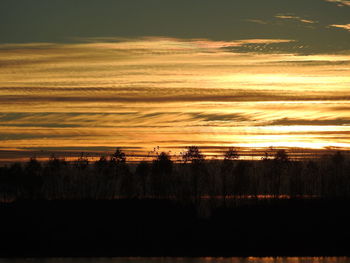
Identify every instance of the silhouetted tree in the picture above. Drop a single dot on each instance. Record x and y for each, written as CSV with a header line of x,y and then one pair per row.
x,y
103,177
119,156
296,185
124,176
279,165
191,180
32,179
337,181
82,162
193,155
10,182
282,156
241,179
196,159
142,172
338,158
162,168
231,154
33,167
227,171
15,176
55,173
101,164
312,178
162,164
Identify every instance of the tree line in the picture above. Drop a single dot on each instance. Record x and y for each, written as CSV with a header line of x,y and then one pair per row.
x,y
194,179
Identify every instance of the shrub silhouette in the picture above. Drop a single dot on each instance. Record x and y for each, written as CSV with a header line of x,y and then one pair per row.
x,y
231,154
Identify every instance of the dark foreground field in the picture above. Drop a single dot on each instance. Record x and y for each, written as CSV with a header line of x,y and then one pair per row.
x,y
164,228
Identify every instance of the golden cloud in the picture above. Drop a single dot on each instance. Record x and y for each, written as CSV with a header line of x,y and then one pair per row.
x,y
346,26
340,2
296,18
170,92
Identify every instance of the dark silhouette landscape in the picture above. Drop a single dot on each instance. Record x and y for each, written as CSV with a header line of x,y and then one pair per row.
x,y
197,207
246,105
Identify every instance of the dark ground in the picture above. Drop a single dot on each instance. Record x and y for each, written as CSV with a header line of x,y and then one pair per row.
x,y
163,228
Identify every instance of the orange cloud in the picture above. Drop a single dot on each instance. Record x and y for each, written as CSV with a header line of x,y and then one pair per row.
x,y
296,18
340,2
346,26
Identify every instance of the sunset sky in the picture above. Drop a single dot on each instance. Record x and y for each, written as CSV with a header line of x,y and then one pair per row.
x,y
89,75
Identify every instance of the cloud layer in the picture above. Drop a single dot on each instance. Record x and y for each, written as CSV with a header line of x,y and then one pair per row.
x,y
171,92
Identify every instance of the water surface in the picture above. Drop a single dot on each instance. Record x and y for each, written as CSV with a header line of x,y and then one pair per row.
x,y
184,260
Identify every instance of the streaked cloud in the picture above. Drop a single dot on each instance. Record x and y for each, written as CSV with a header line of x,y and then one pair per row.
x,y
312,122
340,2
295,18
257,21
346,26
171,92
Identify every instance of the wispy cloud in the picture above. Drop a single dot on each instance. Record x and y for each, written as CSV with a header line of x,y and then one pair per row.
x,y
168,44
163,91
346,26
340,2
295,18
257,21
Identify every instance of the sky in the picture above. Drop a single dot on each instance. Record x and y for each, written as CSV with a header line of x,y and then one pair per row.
x,y
90,76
